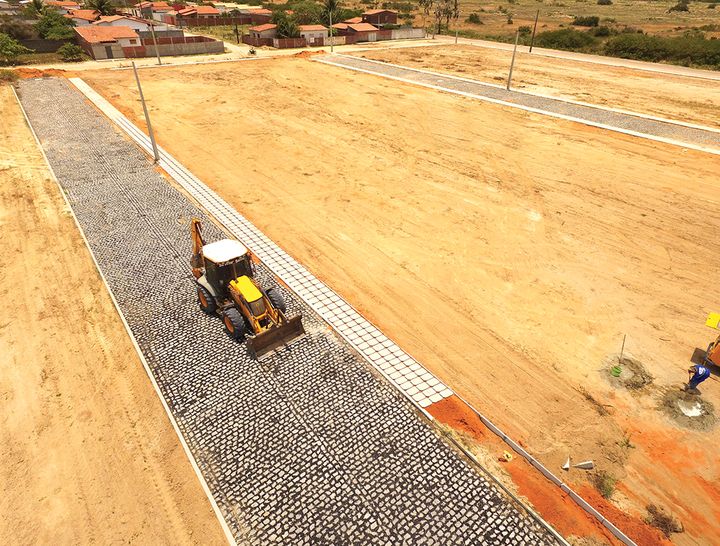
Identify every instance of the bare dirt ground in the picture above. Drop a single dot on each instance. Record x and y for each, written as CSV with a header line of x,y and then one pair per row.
x,y
88,454
507,251
690,100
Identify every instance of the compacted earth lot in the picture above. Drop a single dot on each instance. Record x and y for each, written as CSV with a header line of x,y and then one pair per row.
x,y
507,251
88,453
692,100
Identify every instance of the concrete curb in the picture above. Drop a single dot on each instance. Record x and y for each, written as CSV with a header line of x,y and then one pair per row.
x,y
183,443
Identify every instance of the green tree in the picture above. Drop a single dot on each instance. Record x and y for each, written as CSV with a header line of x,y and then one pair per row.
x,y
35,8
10,49
53,26
331,7
286,25
307,13
105,7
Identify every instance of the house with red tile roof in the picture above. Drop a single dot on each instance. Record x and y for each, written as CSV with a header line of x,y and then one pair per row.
x,y
150,10
82,17
103,42
314,34
265,31
62,6
361,27
353,20
380,17
134,23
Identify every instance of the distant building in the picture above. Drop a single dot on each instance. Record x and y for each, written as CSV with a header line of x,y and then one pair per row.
x,y
258,16
134,23
314,34
363,31
353,21
267,31
380,17
197,12
103,42
62,6
150,10
82,17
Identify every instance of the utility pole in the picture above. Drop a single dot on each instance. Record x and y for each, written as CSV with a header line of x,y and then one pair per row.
x,y
332,41
156,155
532,40
512,62
157,47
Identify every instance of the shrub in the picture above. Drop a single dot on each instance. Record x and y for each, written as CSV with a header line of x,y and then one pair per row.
x,y
586,21
568,38
604,2
509,19
681,50
524,30
682,5
14,28
8,76
70,53
711,6
601,32
474,18
661,519
10,49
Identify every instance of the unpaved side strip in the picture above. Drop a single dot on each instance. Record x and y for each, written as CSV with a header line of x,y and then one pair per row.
x,y
662,131
89,454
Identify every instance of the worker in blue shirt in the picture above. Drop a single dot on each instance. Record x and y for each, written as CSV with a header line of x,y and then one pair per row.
x,y
698,374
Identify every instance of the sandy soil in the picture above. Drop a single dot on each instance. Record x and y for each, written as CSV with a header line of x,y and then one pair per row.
x,y
88,454
507,251
690,100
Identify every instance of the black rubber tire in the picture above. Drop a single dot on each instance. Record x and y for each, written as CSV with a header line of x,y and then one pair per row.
x,y
276,299
206,300
234,323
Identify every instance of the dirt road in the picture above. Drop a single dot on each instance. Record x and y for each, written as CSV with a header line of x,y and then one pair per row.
x,y
691,100
89,455
506,251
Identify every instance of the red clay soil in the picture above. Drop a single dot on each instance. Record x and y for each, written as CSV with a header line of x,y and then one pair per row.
x,y
27,73
546,498
636,529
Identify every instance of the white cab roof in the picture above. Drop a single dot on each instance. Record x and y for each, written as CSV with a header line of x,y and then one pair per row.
x,y
224,251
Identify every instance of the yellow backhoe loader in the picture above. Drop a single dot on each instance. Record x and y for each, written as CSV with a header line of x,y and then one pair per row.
x,y
712,355
225,286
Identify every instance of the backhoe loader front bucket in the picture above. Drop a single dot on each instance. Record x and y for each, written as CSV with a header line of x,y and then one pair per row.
x,y
276,336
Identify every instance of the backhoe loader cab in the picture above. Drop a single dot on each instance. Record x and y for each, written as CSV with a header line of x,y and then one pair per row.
x,y
225,261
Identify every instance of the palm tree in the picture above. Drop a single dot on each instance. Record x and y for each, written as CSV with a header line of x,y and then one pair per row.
x,y
331,7
105,7
37,7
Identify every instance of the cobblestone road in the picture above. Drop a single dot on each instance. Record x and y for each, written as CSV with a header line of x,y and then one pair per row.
x,y
307,447
598,116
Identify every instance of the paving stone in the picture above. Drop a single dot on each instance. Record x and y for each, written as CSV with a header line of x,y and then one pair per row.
x,y
308,446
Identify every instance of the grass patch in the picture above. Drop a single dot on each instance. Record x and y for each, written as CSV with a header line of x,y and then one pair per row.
x,y
604,483
39,58
8,76
226,33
